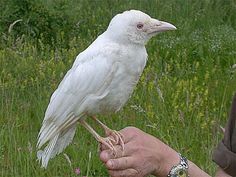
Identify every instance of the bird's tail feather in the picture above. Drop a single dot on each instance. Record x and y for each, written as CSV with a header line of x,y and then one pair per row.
x,y
56,145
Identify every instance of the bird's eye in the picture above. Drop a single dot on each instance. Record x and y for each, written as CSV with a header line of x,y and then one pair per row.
x,y
139,26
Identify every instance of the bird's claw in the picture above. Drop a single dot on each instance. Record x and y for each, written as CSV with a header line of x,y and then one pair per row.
x,y
118,138
108,142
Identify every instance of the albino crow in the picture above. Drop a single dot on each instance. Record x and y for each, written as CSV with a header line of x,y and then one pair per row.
x,y
101,80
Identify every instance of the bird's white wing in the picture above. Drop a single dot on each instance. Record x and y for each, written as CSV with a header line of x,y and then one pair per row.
x,y
83,79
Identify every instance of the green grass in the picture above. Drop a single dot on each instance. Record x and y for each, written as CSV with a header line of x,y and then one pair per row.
x,y
183,96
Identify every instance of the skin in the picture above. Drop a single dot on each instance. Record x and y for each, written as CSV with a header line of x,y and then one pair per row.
x,y
144,155
221,173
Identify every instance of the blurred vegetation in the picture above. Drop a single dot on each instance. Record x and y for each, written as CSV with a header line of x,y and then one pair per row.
x,y
183,96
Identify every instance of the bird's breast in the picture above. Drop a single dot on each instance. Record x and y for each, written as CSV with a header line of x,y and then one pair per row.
x,y
126,77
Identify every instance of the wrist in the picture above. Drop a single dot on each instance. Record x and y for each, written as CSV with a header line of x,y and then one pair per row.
x,y
167,158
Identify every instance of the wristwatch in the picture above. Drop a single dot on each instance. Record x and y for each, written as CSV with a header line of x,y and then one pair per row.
x,y
181,169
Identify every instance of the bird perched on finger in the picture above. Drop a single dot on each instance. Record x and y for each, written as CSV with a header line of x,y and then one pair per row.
x,y
100,81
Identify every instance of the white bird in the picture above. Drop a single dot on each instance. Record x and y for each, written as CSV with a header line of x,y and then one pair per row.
x,y
101,80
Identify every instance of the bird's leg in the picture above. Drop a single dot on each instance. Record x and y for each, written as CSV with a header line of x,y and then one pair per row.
x,y
106,141
117,135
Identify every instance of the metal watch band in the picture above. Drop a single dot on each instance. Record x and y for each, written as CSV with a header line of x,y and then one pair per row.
x,y
181,169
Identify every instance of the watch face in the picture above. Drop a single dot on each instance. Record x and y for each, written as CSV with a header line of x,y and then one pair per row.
x,y
181,173
180,170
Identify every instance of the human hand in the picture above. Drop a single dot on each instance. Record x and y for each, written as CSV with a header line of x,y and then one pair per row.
x,y
143,155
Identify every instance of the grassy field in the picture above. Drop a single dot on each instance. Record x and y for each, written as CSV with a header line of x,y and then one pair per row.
x,y
183,96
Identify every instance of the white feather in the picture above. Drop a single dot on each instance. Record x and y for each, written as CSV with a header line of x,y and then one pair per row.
x,y
101,80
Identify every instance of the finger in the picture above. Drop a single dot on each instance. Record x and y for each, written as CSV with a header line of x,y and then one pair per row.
x,y
105,155
108,154
128,133
123,173
120,163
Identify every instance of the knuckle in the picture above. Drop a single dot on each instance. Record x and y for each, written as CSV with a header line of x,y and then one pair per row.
x,y
126,162
110,164
133,174
125,173
116,164
133,130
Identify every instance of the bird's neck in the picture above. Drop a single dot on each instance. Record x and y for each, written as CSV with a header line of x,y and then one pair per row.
x,y
122,39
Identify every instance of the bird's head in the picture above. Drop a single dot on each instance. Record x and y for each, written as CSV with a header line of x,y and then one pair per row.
x,y
136,27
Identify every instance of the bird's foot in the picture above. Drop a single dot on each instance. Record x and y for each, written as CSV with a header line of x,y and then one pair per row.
x,y
118,137
109,142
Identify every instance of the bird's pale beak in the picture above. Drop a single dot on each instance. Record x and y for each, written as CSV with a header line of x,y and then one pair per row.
x,y
160,26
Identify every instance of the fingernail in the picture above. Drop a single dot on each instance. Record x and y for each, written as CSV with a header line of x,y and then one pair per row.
x,y
110,164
